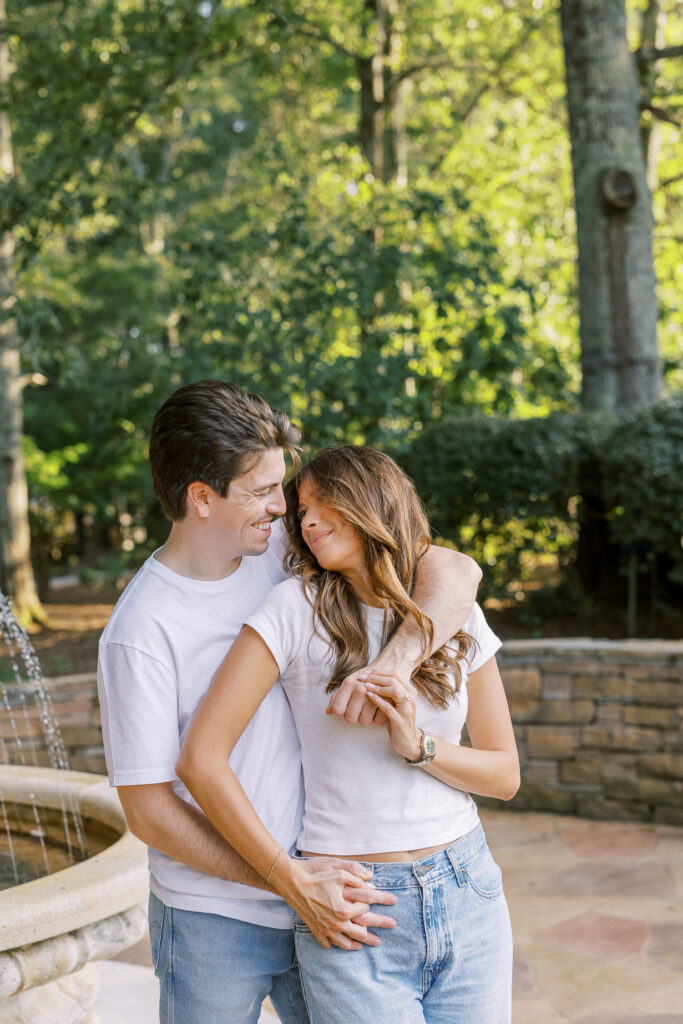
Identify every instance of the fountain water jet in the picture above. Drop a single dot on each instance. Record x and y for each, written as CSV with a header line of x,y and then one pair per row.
x,y
84,901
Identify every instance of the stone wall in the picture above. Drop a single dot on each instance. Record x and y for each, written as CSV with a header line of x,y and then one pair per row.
x,y
599,726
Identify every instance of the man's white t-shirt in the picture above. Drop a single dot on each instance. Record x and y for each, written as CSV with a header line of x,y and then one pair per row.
x,y
361,796
166,638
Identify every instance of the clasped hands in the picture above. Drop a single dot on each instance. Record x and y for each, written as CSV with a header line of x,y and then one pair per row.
x,y
378,698
333,897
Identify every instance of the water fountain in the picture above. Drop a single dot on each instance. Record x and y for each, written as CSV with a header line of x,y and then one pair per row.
x,y
73,880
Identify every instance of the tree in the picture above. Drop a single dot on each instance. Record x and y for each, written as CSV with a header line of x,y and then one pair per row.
x,y
16,571
83,81
619,356
360,208
658,32
618,310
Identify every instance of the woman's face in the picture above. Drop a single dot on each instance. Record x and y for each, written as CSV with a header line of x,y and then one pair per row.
x,y
331,539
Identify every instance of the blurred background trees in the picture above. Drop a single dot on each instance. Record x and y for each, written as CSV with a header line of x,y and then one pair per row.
x,y
362,210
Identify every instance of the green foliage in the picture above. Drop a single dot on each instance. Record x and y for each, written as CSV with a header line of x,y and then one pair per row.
x,y
114,569
642,469
500,489
510,491
193,199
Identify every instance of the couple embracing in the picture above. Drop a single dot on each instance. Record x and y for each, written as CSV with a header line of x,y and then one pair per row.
x,y
283,689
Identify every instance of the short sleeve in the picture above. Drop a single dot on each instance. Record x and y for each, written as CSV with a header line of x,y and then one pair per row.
x,y
487,643
277,545
139,704
283,621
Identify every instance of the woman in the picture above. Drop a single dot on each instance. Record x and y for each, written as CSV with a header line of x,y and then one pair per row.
x,y
396,798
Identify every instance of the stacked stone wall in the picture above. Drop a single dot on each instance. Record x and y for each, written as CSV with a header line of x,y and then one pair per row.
x,y
599,726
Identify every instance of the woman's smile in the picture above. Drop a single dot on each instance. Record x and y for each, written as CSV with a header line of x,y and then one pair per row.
x,y
314,539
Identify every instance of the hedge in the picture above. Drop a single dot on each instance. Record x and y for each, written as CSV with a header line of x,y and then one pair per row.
x,y
511,490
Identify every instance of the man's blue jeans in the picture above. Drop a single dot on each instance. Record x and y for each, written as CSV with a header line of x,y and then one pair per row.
x,y
448,961
216,970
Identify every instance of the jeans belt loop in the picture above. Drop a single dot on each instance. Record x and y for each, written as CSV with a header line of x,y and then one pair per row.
x,y
457,870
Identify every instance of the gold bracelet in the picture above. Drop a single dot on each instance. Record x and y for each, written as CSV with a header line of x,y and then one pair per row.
x,y
273,865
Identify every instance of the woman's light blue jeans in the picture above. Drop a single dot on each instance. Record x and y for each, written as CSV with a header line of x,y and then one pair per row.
x,y
449,960
216,970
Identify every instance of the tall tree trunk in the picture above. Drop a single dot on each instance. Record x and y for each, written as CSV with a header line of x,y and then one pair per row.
x,y
381,127
16,572
381,131
620,362
652,36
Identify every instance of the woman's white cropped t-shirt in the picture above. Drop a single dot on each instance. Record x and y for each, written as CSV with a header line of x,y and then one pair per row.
x,y
360,795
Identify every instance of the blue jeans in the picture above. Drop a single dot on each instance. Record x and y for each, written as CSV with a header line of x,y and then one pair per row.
x,y
216,970
449,960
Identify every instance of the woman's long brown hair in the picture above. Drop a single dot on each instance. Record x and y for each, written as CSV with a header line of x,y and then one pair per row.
x,y
376,497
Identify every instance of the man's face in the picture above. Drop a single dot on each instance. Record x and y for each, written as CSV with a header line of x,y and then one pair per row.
x,y
244,516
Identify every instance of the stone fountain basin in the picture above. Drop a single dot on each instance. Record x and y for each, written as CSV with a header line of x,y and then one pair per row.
x,y
54,926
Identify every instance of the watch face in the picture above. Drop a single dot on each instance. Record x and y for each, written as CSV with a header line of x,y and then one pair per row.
x,y
429,747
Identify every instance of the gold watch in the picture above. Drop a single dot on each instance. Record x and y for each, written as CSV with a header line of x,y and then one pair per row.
x,y
427,751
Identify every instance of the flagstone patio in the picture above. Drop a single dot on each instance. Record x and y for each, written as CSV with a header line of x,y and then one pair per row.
x,y
597,915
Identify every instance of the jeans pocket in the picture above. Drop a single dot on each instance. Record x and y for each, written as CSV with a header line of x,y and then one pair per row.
x,y
157,920
483,874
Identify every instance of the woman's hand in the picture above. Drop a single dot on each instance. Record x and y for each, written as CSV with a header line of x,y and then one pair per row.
x,y
397,698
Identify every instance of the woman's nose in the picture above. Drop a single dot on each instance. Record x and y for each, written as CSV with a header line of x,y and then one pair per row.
x,y
309,518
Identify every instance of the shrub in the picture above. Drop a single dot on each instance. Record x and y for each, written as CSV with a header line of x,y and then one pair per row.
x,y
511,491
642,470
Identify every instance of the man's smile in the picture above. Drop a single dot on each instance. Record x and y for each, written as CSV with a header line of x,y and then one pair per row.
x,y
264,525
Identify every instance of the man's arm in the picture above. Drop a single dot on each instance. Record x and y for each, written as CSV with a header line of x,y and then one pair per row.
x,y
161,819
445,590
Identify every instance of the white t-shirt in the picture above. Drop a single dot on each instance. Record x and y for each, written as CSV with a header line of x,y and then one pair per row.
x,y
166,638
361,796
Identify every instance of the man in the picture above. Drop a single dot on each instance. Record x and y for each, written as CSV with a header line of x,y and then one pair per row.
x,y
221,939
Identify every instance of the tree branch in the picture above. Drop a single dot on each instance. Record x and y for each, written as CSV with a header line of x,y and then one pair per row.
x,y
493,78
648,55
396,80
660,114
670,181
301,27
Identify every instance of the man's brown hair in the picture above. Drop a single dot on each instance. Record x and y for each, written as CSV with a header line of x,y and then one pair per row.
x,y
212,431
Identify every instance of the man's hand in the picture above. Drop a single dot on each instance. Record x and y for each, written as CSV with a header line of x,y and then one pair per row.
x,y
351,701
445,590
332,897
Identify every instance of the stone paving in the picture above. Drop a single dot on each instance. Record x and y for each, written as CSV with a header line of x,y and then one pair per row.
x,y
597,916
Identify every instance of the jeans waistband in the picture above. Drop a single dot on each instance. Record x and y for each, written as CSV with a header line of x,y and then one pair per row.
x,y
434,866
